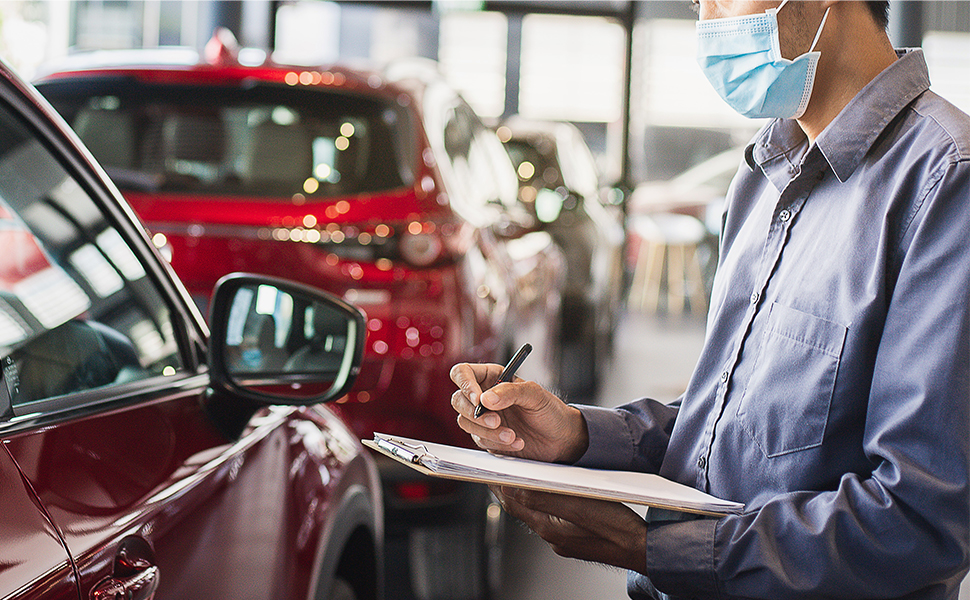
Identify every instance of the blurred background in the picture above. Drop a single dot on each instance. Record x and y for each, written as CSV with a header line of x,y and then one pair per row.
x,y
622,72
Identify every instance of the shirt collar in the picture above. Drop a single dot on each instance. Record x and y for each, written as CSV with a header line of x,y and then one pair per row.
x,y
847,139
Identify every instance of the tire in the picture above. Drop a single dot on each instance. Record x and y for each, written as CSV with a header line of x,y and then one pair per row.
x,y
579,352
579,371
460,560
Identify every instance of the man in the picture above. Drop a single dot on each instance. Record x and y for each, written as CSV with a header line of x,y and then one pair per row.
x,y
832,395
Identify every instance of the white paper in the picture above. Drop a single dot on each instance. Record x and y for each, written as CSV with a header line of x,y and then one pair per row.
x,y
477,465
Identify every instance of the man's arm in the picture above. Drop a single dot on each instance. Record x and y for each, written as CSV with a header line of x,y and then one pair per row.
x,y
632,437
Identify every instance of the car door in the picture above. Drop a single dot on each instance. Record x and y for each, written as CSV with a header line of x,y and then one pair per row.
x,y
111,448
33,561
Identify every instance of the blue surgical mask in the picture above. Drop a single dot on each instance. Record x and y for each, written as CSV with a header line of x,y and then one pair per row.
x,y
741,57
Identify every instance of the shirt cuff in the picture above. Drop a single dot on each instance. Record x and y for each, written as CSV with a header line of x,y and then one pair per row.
x,y
610,446
680,557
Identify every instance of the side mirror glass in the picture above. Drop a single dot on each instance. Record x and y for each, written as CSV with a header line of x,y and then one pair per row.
x,y
280,342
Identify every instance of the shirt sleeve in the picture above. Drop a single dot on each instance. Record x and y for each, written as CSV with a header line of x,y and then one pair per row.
x,y
632,437
900,530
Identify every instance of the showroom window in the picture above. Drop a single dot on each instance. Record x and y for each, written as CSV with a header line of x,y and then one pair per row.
x,y
572,68
948,59
472,55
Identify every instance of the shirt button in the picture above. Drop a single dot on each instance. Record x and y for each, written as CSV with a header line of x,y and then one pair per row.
x,y
701,462
724,377
755,296
784,215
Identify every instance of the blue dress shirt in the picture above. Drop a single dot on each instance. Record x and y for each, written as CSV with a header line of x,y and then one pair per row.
x,y
832,395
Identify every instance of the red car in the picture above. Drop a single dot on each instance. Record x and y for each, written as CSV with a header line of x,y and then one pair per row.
x,y
141,457
382,187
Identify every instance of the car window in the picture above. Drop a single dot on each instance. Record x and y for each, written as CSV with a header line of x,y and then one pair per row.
x,y
540,170
77,310
478,166
578,165
291,143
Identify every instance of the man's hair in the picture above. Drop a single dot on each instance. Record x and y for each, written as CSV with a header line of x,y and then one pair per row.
x,y
880,12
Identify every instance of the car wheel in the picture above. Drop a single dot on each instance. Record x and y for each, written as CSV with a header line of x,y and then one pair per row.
x,y
579,375
579,362
463,560
341,590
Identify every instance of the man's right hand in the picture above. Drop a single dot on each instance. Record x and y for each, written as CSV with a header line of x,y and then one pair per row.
x,y
525,419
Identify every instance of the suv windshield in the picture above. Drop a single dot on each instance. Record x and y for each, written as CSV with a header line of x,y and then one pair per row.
x,y
257,140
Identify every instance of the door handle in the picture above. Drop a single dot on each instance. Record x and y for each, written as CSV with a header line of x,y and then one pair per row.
x,y
140,586
134,576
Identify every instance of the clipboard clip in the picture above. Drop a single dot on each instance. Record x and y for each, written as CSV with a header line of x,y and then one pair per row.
x,y
412,453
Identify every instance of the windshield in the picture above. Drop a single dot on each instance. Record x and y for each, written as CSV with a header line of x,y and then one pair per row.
x,y
257,140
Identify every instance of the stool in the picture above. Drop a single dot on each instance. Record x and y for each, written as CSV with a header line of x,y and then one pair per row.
x,y
668,240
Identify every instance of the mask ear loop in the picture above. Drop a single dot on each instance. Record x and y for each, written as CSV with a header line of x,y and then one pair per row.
x,y
821,26
777,8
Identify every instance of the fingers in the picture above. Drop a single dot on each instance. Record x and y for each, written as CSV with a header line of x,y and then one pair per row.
x,y
562,534
465,407
608,519
465,404
499,441
487,431
471,380
605,532
568,508
524,419
466,377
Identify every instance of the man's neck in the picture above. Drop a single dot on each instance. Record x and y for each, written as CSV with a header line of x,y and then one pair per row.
x,y
854,51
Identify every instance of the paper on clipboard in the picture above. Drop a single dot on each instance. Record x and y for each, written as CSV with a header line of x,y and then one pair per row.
x,y
620,486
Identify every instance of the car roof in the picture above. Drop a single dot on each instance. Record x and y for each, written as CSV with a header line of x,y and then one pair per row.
x,y
96,59
221,59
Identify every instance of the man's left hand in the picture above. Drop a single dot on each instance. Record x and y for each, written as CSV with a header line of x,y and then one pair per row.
x,y
581,528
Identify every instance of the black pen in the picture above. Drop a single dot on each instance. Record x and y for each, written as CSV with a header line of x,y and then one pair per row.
x,y
508,373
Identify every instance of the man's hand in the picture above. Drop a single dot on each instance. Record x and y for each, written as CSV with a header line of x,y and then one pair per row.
x,y
526,420
581,528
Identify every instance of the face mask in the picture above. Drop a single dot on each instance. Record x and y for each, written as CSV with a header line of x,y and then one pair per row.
x,y
741,57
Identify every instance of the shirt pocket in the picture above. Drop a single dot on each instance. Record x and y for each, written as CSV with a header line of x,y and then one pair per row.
x,y
785,404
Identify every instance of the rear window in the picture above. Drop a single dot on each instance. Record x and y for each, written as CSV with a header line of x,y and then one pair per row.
x,y
261,140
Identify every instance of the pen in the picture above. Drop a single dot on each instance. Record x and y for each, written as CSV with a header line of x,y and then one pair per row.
x,y
508,372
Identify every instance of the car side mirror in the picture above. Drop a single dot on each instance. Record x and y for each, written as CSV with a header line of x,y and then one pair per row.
x,y
279,342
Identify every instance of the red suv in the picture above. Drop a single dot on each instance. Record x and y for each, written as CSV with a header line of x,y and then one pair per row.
x,y
141,457
382,187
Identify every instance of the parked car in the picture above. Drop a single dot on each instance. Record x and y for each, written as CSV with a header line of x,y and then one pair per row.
x,y
382,187
559,184
140,458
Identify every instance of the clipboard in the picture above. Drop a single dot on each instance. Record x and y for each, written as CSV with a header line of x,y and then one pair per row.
x,y
646,489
